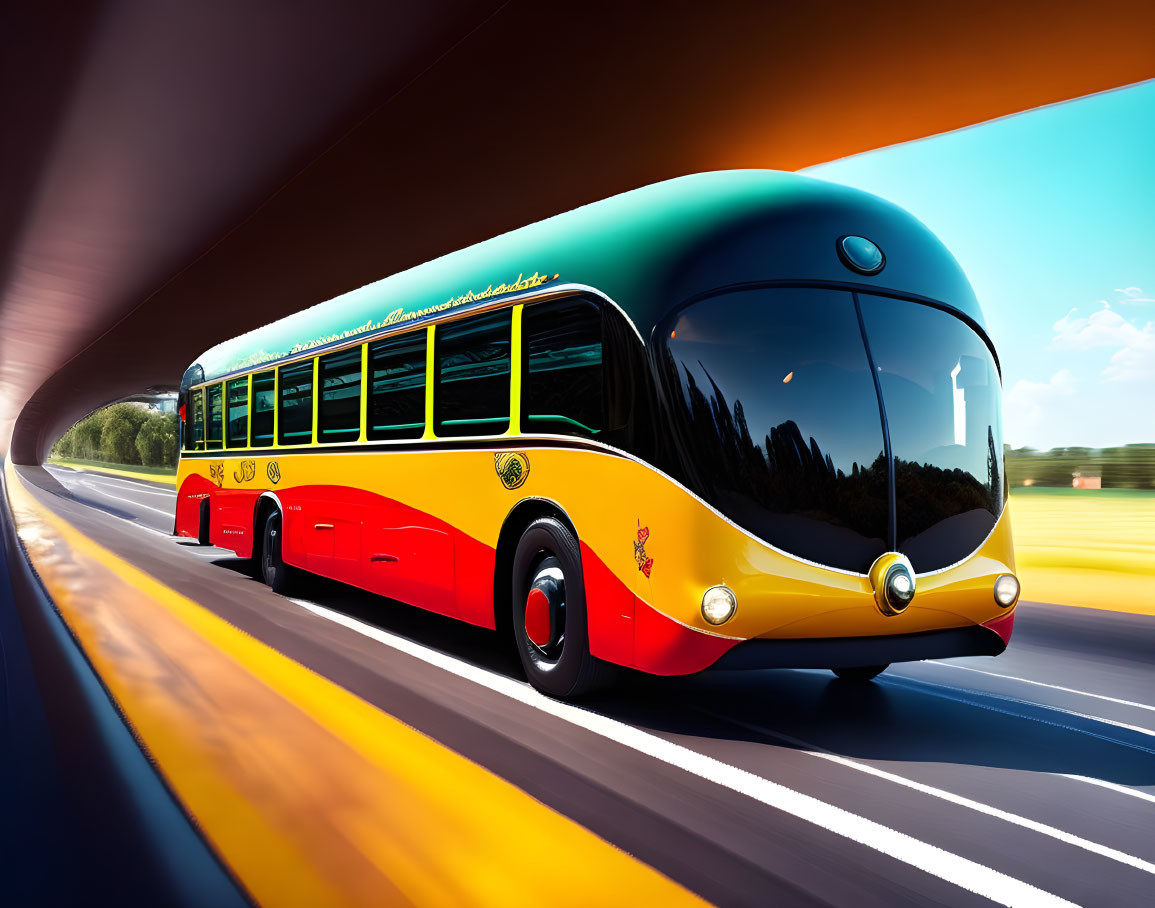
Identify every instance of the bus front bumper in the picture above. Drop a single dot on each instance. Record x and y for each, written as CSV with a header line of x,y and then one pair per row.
x,y
988,639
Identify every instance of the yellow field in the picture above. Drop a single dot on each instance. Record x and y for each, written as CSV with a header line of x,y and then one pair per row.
x,y
1083,547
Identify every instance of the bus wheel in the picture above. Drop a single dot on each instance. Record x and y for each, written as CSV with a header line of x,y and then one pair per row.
x,y
278,575
860,673
549,613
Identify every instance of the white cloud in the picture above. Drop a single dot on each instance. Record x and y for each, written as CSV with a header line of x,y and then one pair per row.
x,y
1134,360
1105,328
1027,404
1133,295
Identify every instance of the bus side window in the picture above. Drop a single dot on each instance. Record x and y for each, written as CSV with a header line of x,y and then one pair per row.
x,y
237,423
471,396
339,410
264,402
562,385
198,420
397,387
215,413
295,417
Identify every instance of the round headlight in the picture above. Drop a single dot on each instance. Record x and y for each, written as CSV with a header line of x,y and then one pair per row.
x,y
893,580
719,604
1006,590
899,586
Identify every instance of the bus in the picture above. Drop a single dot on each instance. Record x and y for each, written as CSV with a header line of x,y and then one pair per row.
x,y
734,420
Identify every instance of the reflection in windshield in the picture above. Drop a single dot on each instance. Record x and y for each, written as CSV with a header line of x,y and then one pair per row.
x,y
778,420
941,389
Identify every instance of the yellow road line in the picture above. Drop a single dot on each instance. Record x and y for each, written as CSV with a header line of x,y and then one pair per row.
x,y
310,794
168,480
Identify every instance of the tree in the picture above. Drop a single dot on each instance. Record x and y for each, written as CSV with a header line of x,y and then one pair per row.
x,y
118,440
156,442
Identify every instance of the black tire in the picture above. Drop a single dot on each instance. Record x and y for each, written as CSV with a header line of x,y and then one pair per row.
x,y
568,670
280,577
203,526
860,674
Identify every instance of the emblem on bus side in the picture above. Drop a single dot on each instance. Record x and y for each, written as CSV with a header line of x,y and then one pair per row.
x,y
245,471
645,563
217,474
512,468
274,471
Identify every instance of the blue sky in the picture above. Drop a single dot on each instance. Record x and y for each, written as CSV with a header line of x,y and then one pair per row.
x,y
1051,213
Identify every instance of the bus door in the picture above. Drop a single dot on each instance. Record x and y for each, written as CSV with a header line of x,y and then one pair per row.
x,y
331,534
410,560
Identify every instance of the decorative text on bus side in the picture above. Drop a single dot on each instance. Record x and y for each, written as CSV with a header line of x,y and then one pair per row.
x,y
399,316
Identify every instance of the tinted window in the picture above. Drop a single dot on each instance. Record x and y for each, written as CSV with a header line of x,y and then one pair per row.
x,y
778,422
339,413
942,394
472,393
213,442
561,384
198,420
295,419
237,424
397,387
264,405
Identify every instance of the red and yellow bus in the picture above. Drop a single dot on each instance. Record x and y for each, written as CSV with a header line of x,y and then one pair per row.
x,y
734,420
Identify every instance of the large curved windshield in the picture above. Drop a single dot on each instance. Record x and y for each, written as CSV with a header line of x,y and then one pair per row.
x,y
778,424
943,408
778,421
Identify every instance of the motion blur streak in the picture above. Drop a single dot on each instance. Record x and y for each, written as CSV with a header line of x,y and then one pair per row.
x,y
822,753
310,795
969,875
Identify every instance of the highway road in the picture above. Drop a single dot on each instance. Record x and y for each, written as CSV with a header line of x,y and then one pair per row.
x,y
1026,779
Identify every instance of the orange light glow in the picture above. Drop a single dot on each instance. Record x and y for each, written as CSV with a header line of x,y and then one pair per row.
x,y
789,376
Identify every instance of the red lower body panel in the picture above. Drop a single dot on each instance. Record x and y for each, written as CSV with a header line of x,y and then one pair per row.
x,y
1002,626
386,547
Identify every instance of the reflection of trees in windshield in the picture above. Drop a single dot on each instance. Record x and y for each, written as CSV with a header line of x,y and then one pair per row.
x,y
785,490
942,394
951,510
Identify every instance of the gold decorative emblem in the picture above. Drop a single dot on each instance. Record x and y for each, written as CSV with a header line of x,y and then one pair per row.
x,y
512,468
245,471
274,471
217,473
645,563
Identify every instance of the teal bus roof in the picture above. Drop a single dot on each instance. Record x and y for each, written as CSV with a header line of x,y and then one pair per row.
x,y
649,250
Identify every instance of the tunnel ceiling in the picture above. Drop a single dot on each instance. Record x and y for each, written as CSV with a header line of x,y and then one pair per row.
x,y
175,174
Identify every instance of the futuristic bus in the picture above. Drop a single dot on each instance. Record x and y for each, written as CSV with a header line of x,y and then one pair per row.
x,y
734,420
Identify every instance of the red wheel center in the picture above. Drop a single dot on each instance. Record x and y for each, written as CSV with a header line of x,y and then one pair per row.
x,y
538,624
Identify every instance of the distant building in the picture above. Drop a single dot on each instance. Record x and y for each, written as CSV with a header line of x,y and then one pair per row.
x,y
1086,479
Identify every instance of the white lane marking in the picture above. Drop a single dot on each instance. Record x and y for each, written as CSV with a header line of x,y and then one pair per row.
x,y
141,526
136,484
824,754
1069,690
1120,789
899,680
100,491
966,874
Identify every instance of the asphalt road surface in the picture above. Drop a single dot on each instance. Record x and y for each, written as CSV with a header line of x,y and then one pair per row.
x,y
1029,777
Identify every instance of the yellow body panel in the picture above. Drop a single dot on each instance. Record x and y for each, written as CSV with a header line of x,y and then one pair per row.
x,y
609,498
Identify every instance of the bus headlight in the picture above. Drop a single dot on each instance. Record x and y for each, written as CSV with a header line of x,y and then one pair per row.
x,y
1006,590
892,577
719,604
